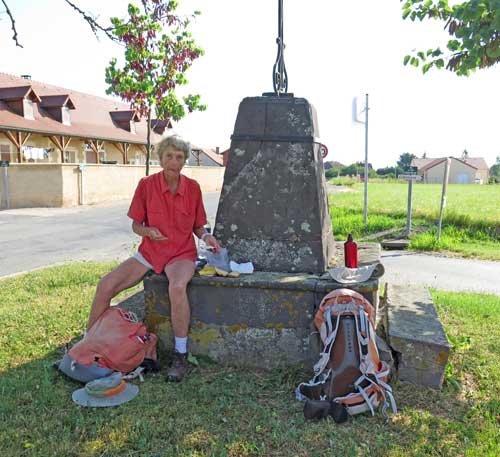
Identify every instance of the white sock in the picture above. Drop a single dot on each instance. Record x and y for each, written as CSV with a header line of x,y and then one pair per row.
x,y
181,345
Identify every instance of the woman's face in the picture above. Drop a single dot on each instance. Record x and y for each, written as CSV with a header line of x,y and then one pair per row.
x,y
172,161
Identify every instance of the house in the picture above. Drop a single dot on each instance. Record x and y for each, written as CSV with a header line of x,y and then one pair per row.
x,y
332,164
473,170
205,157
42,123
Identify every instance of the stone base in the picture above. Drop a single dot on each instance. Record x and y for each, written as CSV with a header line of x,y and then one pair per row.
x,y
416,336
260,320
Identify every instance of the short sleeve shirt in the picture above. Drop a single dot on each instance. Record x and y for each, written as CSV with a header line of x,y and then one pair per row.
x,y
174,215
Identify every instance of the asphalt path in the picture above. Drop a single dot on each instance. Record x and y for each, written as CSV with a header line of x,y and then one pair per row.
x,y
37,237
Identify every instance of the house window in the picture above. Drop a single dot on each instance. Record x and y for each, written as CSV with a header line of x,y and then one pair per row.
x,y
102,155
70,156
28,109
5,152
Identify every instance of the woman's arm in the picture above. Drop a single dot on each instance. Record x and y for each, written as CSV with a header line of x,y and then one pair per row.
x,y
210,240
151,232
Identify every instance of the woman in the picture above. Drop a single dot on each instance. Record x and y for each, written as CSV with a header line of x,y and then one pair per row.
x,y
166,210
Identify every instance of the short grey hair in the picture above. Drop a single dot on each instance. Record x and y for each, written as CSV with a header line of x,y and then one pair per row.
x,y
173,142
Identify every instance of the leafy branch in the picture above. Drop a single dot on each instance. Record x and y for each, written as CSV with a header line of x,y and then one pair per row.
x,y
475,30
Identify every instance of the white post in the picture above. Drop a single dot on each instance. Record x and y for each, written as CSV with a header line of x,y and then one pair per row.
x,y
408,215
365,210
443,195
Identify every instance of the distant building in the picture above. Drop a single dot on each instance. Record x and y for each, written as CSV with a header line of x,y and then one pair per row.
x,y
473,170
205,157
42,123
332,164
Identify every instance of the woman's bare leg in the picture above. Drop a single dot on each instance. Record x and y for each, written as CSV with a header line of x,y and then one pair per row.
x,y
179,274
126,275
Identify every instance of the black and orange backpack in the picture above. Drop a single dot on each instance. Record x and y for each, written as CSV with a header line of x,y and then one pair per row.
x,y
349,372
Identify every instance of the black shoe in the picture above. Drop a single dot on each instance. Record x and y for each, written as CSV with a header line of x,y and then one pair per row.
x,y
178,368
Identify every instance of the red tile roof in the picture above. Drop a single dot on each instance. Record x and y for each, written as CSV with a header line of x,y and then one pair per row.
x,y
91,117
477,162
210,153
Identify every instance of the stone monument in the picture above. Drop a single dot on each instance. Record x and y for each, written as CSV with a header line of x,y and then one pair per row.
x,y
273,209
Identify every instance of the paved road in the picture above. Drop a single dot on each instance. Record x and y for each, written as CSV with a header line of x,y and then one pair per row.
x,y
36,237
32,238
446,273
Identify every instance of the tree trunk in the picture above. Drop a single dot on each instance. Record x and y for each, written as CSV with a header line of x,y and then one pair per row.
x,y
148,144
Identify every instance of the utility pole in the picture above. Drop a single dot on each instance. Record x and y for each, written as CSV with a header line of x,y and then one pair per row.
x,y
365,210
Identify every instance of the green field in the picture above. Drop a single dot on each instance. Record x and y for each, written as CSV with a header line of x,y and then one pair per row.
x,y
471,224
221,411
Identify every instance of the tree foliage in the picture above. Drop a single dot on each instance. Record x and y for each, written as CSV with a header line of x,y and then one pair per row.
x,y
474,27
158,50
404,161
495,171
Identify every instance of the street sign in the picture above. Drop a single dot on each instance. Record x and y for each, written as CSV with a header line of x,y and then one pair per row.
x,y
4,163
414,177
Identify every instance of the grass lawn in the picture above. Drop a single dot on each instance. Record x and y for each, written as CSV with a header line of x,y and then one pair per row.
x,y
225,411
471,224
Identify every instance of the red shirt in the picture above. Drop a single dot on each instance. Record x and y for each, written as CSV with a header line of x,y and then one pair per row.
x,y
175,215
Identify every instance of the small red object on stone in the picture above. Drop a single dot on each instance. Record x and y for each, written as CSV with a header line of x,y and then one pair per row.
x,y
350,253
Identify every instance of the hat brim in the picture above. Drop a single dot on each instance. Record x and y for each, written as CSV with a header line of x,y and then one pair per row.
x,y
82,398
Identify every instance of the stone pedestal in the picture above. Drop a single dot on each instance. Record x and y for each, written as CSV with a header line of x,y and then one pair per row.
x,y
260,320
273,208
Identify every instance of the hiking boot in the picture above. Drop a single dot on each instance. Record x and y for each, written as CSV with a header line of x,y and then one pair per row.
x,y
178,368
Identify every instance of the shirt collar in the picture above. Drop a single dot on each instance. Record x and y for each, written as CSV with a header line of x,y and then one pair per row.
x,y
181,188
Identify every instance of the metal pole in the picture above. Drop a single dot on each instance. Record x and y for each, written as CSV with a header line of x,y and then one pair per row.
x,y
408,215
365,212
6,186
443,195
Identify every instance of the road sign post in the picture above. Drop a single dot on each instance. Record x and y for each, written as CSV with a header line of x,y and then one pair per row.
x,y
410,178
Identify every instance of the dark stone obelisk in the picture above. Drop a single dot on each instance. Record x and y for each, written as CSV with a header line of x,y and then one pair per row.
x,y
273,208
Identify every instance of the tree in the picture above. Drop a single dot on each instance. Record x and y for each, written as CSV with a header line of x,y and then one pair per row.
x,y
474,27
389,171
465,154
424,155
495,171
158,51
404,161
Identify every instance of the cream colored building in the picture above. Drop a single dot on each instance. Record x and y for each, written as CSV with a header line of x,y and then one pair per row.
x,y
41,123
462,171
68,148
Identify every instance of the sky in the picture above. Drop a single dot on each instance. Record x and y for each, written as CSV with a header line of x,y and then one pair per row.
x,y
335,50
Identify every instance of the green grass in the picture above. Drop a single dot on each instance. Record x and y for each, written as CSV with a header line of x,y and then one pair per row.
x,y
471,223
221,411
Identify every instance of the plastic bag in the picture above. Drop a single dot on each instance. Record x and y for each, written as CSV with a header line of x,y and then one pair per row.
x,y
219,260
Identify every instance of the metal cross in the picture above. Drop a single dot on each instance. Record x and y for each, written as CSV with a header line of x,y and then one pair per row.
x,y
280,77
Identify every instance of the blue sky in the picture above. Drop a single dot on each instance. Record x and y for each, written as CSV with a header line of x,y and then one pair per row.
x,y
335,51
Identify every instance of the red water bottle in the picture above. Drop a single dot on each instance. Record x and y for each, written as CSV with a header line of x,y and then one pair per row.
x,y
350,253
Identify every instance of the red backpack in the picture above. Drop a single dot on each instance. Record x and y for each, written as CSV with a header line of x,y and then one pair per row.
x,y
117,340
349,371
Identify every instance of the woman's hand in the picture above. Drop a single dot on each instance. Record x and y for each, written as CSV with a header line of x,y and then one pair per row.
x,y
154,234
211,241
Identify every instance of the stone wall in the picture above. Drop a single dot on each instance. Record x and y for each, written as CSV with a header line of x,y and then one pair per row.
x,y
54,185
